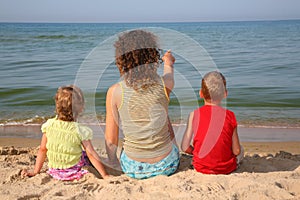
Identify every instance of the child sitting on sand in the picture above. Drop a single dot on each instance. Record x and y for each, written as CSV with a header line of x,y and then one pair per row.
x,y
63,139
216,147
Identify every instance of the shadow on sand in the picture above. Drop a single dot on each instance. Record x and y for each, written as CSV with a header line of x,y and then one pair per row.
x,y
281,161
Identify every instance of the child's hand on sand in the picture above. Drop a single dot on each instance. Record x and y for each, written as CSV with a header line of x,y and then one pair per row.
x,y
28,173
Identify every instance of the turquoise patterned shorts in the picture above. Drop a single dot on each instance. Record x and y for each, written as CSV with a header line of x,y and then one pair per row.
x,y
143,170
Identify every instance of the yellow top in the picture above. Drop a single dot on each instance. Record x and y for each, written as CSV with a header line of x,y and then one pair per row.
x,y
64,142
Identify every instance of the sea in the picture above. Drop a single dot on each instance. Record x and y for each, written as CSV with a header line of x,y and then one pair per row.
x,y
260,60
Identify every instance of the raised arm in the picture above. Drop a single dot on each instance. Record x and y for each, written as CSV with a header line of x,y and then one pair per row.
x,y
113,99
168,75
188,135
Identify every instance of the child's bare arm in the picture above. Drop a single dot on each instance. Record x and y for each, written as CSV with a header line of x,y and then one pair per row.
x,y
41,156
94,158
187,137
236,147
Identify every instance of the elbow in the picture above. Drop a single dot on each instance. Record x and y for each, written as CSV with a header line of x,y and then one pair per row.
x,y
110,142
237,151
43,149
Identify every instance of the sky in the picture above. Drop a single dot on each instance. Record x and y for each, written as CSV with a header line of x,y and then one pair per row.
x,y
147,11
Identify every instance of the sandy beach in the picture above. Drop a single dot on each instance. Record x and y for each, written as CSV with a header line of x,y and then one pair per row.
x,y
270,170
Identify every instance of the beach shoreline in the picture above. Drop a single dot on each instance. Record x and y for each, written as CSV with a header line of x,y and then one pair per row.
x,y
246,134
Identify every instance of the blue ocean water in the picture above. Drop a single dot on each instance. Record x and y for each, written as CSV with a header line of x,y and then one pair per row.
x,y
261,61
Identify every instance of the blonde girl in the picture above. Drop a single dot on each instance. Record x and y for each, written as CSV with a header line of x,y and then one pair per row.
x,y
64,140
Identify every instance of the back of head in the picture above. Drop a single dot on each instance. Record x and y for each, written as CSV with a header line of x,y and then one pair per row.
x,y
137,57
213,86
69,102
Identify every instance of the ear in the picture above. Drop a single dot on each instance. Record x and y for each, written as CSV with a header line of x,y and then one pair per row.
x,y
225,94
81,109
201,94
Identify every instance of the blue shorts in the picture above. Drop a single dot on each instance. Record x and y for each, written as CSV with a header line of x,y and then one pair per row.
x,y
143,170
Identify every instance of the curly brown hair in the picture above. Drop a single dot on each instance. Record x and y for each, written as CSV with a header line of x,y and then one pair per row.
x,y
137,57
69,103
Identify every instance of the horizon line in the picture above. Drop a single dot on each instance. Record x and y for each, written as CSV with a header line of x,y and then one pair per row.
x,y
148,22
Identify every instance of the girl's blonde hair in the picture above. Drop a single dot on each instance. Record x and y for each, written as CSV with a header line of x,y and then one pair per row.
x,y
69,102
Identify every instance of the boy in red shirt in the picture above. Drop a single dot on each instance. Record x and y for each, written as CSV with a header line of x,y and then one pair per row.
x,y
216,148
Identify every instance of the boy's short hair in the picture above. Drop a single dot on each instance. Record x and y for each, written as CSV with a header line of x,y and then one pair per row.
x,y
213,86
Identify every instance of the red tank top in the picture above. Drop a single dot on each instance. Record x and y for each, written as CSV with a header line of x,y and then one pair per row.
x,y
213,128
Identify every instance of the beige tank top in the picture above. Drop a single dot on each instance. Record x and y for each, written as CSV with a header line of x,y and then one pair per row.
x,y
144,121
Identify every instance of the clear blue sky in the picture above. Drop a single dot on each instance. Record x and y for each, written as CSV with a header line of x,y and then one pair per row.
x,y
146,11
